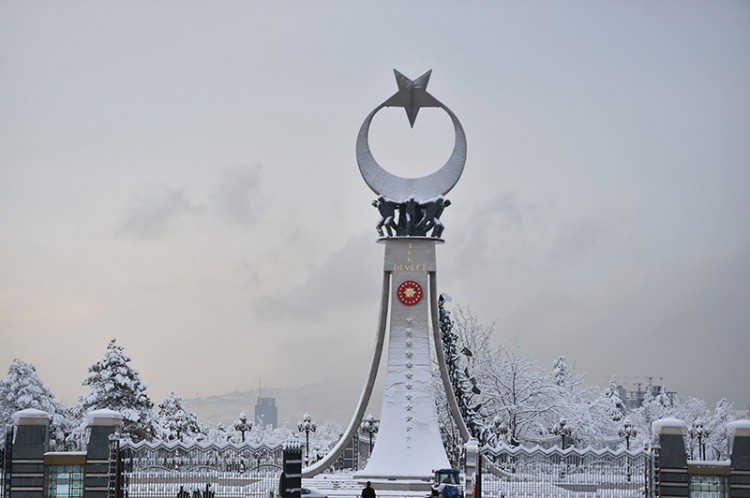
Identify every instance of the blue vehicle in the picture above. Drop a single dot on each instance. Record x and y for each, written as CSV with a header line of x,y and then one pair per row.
x,y
446,483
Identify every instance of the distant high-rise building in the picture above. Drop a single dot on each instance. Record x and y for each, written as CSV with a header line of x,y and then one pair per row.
x,y
634,398
266,412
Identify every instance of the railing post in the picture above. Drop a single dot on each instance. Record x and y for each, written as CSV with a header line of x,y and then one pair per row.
x,y
114,469
7,459
473,469
291,476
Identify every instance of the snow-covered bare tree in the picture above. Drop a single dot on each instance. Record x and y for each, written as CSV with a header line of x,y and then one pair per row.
x,y
216,433
504,396
587,422
324,438
175,422
22,389
717,429
516,390
266,434
117,386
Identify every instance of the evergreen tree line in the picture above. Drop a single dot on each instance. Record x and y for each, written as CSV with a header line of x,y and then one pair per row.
x,y
506,398
115,385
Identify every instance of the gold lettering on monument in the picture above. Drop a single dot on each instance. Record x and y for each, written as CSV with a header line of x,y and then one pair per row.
x,y
409,267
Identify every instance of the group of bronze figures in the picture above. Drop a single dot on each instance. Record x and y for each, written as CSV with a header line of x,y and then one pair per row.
x,y
415,219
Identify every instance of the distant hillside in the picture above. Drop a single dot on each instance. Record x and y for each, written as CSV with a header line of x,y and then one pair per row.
x,y
329,400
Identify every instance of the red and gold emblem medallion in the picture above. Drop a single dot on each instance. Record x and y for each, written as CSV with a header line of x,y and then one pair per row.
x,y
409,293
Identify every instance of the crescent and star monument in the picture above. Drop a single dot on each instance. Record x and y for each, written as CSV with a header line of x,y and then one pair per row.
x,y
409,444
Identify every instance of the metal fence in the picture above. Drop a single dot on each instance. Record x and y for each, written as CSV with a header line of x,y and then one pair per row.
x,y
537,472
176,470
3,467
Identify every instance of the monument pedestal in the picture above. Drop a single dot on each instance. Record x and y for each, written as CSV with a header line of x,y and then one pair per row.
x,y
409,445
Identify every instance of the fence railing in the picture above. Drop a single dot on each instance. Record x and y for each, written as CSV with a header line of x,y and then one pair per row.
x,y
178,470
555,473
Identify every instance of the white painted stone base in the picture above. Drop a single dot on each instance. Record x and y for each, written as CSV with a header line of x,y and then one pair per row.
x,y
408,445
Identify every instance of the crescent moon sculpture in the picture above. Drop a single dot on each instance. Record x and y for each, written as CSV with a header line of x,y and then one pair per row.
x,y
412,96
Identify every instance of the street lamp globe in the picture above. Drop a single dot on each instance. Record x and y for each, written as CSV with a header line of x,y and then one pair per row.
x,y
307,426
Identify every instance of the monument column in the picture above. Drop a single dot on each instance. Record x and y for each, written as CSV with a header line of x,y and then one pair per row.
x,y
409,444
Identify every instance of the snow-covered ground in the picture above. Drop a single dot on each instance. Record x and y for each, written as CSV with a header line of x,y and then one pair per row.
x,y
343,486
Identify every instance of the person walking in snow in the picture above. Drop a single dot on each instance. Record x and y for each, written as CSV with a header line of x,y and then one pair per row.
x,y
368,492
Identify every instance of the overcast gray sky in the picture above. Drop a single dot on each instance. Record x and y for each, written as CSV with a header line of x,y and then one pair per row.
x,y
181,176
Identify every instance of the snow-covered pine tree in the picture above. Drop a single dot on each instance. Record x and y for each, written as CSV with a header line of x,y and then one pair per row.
x,y
560,372
22,389
175,422
463,382
614,405
116,386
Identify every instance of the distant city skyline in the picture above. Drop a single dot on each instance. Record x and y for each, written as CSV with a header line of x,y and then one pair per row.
x,y
182,176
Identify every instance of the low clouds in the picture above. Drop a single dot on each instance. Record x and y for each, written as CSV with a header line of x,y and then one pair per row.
x,y
234,197
342,281
152,213
496,231
503,210
576,239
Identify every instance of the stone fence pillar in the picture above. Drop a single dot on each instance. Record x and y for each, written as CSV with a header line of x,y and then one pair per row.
x,y
671,467
291,476
102,424
30,443
738,436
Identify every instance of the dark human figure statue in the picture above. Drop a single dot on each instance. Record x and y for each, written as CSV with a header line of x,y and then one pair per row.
x,y
413,216
401,228
433,210
387,210
368,491
409,214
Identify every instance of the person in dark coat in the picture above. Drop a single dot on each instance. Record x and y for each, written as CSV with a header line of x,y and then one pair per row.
x,y
368,492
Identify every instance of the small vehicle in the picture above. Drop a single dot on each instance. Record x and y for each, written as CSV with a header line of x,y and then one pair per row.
x,y
311,493
446,483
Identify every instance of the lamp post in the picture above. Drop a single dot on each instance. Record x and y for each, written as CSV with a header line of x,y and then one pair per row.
x,y
307,426
561,429
697,430
243,425
370,426
627,431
